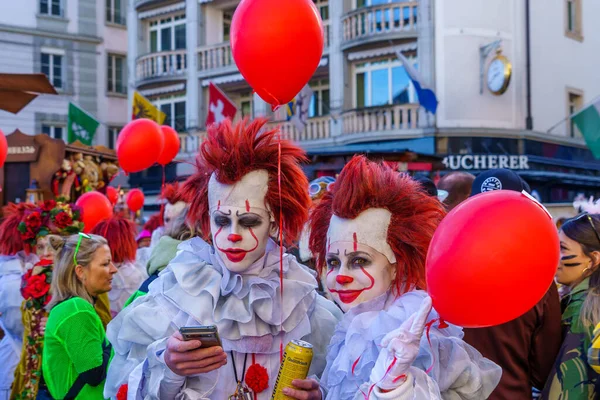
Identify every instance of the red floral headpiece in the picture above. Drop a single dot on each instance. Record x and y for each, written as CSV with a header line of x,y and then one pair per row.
x,y
50,217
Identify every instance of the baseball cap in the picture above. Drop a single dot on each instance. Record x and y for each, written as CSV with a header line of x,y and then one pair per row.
x,y
498,179
430,188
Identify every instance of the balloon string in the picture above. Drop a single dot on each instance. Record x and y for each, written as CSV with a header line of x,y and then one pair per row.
x,y
441,325
368,395
280,240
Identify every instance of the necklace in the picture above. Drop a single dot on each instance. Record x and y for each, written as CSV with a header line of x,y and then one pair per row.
x,y
241,390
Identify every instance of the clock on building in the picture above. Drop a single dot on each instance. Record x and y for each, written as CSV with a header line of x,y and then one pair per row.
x,y
498,74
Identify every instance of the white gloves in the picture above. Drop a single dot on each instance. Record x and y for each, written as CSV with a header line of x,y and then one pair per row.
x,y
399,350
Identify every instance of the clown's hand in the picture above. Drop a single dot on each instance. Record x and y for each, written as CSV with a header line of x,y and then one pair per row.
x,y
399,350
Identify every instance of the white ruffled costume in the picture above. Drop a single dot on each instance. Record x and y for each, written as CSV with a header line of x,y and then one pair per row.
x,y
197,289
458,370
129,277
11,270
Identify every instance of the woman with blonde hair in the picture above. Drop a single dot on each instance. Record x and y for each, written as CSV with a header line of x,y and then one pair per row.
x,y
76,352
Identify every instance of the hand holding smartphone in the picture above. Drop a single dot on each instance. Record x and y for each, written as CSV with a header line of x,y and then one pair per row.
x,y
208,335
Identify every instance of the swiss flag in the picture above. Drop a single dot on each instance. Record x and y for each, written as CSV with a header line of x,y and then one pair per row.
x,y
219,106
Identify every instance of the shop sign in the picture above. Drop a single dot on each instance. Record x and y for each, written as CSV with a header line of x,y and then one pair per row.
x,y
486,161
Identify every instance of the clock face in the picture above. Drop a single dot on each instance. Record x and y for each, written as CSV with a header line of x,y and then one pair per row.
x,y
495,76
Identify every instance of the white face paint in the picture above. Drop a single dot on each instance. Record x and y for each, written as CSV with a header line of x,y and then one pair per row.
x,y
359,259
173,210
240,221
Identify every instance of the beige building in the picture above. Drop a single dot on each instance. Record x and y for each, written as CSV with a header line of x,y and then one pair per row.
x,y
364,100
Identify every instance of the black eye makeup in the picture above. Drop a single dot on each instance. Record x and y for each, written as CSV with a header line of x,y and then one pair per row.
x,y
222,220
333,262
360,262
568,258
250,221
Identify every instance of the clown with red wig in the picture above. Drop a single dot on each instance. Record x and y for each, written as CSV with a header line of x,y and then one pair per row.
x,y
248,189
175,204
14,260
371,233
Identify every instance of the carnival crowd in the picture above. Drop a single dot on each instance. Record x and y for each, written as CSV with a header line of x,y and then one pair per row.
x,y
249,245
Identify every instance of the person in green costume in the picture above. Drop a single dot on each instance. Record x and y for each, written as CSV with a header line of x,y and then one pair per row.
x,y
76,352
579,271
166,249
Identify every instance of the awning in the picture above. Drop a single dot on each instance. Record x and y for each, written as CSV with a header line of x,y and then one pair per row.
x,y
163,90
562,177
382,51
18,90
424,146
594,165
161,10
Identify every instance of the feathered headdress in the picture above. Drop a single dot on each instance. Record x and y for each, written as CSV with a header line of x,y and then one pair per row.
x,y
583,204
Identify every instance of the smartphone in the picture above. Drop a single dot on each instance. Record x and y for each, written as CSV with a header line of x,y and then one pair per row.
x,y
206,334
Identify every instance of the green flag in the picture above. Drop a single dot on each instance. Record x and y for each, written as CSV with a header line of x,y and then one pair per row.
x,y
81,125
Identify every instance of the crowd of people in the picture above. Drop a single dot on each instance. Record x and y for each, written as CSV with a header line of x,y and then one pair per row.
x,y
247,245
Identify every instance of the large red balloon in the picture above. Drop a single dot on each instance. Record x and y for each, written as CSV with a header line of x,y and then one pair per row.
x,y
3,149
139,145
277,46
135,200
491,259
95,207
171,147
112,194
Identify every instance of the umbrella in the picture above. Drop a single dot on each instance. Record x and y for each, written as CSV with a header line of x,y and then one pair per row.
x,y
18,90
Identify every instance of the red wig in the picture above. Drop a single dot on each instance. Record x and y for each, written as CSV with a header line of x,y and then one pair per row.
x,y
172,193
154,222
363,184
120,235
230,152
11,241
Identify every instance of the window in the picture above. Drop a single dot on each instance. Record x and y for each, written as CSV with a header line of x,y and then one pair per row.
x,y
573,15
174,108
116,74
319,103
574,104
55,132
227,17
167,34
383,82
246,105
114,12
113,133
51,7
52,66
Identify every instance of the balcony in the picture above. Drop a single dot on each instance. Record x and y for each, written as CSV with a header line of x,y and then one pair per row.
x,y
165,64
381,22
316,128
217,58
380,120
190,143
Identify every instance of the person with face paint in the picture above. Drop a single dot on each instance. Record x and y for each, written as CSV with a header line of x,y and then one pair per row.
x,y
13,262
174,205
579,272
248,189
371,234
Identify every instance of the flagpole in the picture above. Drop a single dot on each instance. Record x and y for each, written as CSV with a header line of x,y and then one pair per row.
x,y
574,114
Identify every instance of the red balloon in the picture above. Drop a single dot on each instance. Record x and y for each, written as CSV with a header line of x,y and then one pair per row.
x,y
112,194
135,200
139,144
491,259
95,207
277,46
3,149
171,147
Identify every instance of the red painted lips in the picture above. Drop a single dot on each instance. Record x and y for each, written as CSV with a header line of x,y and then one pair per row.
x,y
235,255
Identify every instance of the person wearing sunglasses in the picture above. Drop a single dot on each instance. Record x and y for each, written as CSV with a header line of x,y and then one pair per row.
x,y
76,351
579,271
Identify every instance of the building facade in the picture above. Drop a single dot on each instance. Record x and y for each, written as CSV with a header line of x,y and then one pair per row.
x,y
81,45
506,80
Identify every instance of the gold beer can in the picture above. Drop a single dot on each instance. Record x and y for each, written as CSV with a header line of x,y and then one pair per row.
x,y
296,362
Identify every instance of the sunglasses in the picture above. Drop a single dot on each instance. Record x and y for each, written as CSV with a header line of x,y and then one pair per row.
x,y
81,236
591,221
